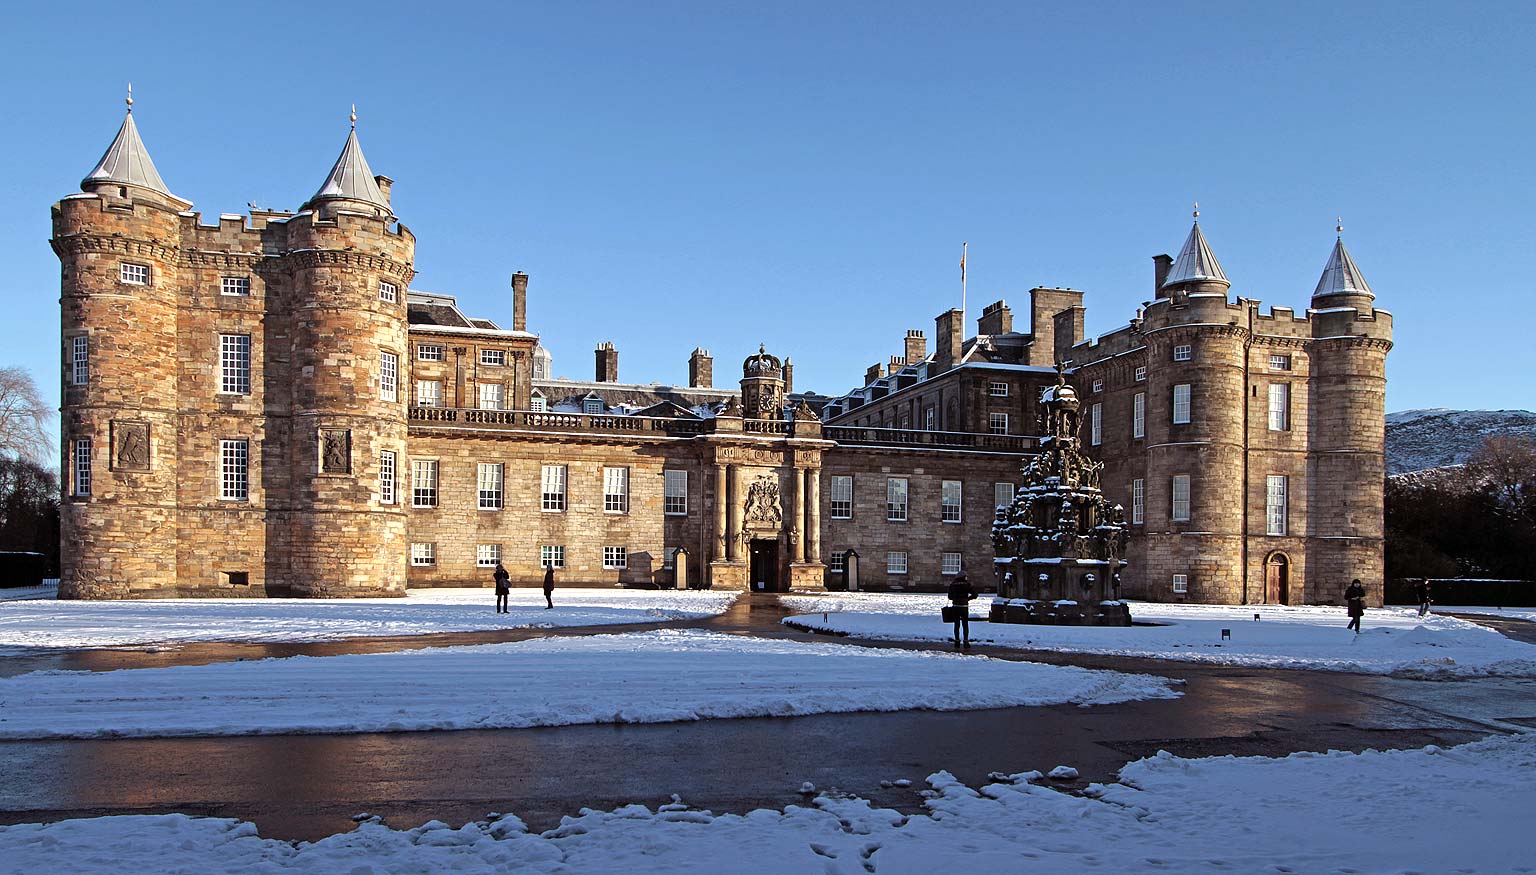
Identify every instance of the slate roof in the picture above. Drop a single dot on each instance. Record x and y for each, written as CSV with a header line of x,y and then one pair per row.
x,y
1341,275
1196,262
351,178
127,162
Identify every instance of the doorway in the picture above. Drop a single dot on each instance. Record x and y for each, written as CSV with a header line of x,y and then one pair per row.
x,y
763,565
1277,579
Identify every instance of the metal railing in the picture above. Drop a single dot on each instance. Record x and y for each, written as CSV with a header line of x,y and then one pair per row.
x,y
913,437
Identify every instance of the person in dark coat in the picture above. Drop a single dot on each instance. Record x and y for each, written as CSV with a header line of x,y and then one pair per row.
x,y
960,595
549,586
1354,597
503,588
1423,592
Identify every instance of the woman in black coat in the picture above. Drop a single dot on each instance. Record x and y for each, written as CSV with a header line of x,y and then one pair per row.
x,y
1354,597
503,588
549,586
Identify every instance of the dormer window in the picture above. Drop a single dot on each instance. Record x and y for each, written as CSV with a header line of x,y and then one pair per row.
x,y
538,404
134,274
592,406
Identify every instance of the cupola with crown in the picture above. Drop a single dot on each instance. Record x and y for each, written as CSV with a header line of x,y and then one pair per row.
x,y
1342,284
1196,269
762,386
351,184
126,169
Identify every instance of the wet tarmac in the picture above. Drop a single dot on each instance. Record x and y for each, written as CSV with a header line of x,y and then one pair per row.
x,y
306,787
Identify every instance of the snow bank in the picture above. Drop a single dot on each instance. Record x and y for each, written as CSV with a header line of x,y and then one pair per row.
x,y
1396,641
61,624
646,677
1459,810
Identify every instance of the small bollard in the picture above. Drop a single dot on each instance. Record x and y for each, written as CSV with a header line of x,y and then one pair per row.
x,y
1225,634
1255,618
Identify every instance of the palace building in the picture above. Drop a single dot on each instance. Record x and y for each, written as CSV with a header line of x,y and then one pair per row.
x,y
263,406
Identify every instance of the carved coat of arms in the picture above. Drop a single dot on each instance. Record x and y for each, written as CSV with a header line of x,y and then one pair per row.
x,y
763,501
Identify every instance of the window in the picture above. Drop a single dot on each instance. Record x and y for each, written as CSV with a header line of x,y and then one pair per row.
x,y
1181,584
1279,406
423,554
387,477
896,563
82,467
235,364
931,419
1279,363
615,557
496,357
1181,404
1181,498
668,558
615,490
1098,386
429,393
389,376
949,563
487,555
997,423
234,477
675,493
490,396
1002,494
238,286
838,561
1139,415
80,359
388,291
429,352
1138,501
592,406
489,481
841,494
997,389
1275,504
552,488
537,404
423,483
134,274
896,499
1096,424
552,556
1183,352
949,501
1141,374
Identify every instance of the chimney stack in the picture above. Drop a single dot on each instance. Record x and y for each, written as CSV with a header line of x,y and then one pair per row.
x,y
916,347
701,369
995,319
874,373
948,328
519,301
789,377
607,363
385,184
1161,264
1068,328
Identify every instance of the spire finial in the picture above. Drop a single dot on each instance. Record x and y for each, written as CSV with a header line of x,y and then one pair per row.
x,y
130,97
354,116
1197,211
1340,227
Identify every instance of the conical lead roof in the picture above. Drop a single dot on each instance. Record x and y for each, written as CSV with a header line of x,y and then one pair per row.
x,y
1196,262
1341,275
351,178
127,162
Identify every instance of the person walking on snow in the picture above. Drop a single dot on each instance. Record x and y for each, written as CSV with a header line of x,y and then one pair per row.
x,y
960,595
503,588
549,586
1423,592
1354,597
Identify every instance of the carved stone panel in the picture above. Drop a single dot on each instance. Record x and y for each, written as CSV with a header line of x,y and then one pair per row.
x,y
748,456
762,505
335,451
130,445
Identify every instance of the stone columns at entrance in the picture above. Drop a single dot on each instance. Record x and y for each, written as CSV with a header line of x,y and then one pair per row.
x,y
800,515
813,513
722,499
733,529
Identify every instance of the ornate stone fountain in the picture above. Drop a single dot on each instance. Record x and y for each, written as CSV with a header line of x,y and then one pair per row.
x,y
1059,543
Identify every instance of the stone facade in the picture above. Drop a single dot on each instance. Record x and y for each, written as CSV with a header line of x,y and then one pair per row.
x,y
262,406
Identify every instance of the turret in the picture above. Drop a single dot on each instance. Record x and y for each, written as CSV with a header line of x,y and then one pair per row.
x,y
762,386
1196,269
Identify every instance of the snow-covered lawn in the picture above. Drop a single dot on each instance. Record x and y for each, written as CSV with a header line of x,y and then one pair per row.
x,y
641,677
1465,809
13,593
1508,613
1395,641
422,611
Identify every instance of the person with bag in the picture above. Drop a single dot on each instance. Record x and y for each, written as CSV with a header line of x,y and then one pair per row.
x,y
1354,597
959,610
503,588
549,586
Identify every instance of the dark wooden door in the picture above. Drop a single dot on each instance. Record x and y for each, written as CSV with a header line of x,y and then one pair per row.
x,y
763,566
1277,582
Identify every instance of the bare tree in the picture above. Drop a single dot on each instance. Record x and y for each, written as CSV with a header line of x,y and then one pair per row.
x,y
24,417
1507,465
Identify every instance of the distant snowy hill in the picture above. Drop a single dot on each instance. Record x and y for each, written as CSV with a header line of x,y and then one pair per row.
x,y
1434,438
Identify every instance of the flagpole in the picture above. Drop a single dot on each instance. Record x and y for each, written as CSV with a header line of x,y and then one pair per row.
x,y
963,248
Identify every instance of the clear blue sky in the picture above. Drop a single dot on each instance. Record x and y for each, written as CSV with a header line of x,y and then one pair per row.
x,y
803,173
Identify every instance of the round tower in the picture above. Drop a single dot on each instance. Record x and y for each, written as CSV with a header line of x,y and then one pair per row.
x,y
117,243
1196,344
349,264
1347,437
762,386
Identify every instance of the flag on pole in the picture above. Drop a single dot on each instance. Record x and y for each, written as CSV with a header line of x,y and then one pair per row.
x,y
962,261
